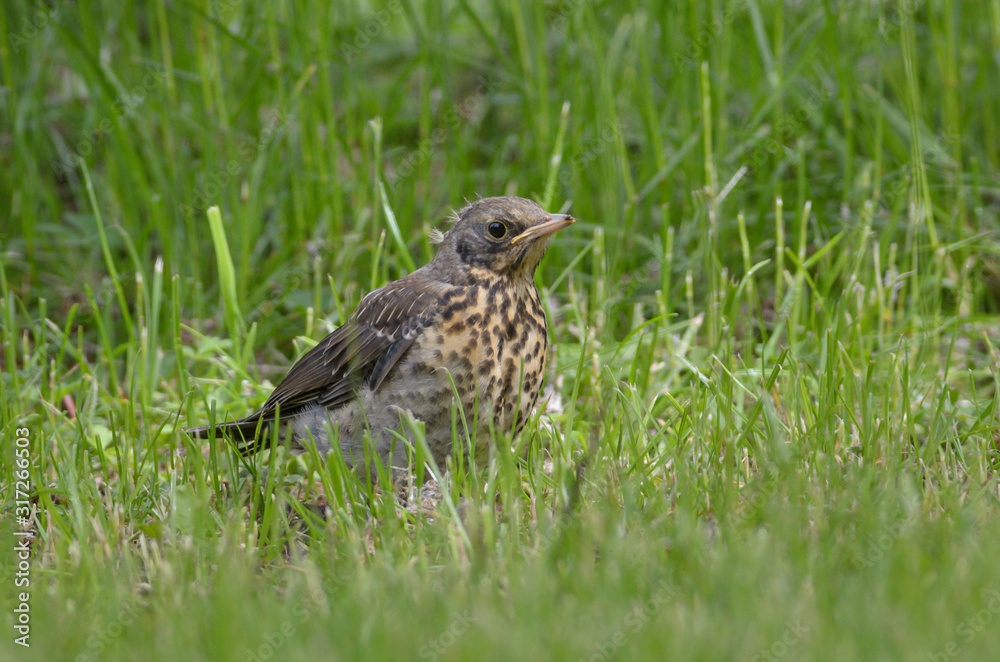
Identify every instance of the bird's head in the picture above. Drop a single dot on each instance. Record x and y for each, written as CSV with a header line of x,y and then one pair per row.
x,y
505,236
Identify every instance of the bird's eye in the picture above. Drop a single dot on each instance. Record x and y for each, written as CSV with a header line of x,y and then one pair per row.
x,y
497,230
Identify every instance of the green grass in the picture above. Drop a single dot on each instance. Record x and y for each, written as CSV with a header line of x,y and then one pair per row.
x,y
773,424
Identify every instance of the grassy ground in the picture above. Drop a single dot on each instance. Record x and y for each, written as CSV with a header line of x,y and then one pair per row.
x,y
772,429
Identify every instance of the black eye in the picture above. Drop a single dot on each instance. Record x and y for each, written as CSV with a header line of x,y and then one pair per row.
x,y
497,230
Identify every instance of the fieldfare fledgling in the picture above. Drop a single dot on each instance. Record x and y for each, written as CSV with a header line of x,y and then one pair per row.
x,y
472,315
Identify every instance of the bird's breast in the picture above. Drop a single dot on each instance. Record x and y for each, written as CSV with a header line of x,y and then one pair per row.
x,y
492,340
506,330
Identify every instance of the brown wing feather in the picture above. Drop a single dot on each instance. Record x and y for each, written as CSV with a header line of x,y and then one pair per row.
x,y
361,351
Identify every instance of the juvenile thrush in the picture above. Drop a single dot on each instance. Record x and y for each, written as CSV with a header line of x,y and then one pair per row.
x,y
472,313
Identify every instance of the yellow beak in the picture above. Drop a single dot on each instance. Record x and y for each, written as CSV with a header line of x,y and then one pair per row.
x,y
553,223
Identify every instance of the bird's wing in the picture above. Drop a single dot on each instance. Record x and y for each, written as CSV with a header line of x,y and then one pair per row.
x,y
362,351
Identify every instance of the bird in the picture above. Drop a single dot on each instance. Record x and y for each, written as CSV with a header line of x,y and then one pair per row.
x,y
468,327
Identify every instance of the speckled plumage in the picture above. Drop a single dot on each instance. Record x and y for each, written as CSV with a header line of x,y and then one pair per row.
x,y
468,323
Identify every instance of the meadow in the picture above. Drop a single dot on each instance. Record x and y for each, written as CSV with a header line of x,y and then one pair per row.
x,y
771,423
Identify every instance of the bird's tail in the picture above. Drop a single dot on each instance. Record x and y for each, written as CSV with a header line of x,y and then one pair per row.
x,y
243,432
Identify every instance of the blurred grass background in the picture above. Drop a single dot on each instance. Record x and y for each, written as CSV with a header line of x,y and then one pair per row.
x,y
773,400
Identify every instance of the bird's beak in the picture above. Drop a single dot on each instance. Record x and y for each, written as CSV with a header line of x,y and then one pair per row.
x,y
552,223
